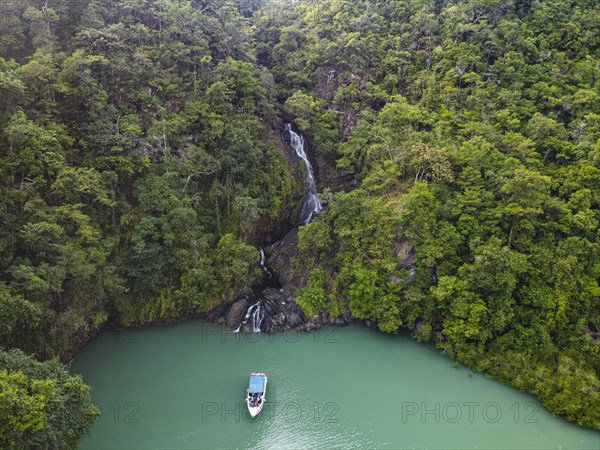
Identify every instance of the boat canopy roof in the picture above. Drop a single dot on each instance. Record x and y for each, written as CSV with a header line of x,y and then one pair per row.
x,y
257,384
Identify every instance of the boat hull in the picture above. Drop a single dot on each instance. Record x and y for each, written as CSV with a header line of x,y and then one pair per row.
x,y
255,407
255,411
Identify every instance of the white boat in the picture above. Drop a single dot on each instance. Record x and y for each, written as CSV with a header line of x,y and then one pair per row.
x,y
257,389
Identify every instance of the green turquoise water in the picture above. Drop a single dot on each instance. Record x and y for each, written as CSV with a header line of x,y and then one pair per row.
x,y
184,387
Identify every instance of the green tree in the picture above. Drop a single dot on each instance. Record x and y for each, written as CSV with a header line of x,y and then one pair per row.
x,y
41,404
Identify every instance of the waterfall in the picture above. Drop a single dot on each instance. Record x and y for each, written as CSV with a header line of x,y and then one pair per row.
x,y
255,315
311,204
263,264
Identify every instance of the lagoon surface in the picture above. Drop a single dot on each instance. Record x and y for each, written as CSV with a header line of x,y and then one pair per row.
x,y
184,387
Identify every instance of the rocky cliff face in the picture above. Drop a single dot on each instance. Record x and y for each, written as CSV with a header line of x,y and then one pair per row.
x,y
282,255
270,229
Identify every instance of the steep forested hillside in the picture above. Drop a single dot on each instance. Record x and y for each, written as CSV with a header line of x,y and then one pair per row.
x,y
137,155
141,165
473,129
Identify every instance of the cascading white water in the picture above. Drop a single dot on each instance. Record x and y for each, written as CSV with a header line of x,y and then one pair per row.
x,y
263,266
311,204
257,318
255,315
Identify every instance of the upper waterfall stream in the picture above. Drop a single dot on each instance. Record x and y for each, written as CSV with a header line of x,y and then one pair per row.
x,y
263,264
311,204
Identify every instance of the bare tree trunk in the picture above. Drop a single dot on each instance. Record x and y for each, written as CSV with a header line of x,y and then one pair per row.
x,y
165,147
511,231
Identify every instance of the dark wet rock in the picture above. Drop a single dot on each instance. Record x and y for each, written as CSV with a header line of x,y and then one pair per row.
x,y
242,292
274,323
275,295
294,319
246,328
282,253
236,313
280,311
218,311
313,323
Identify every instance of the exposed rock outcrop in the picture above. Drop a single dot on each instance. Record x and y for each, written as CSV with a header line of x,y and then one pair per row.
x,y
278,312
282,255
235,314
